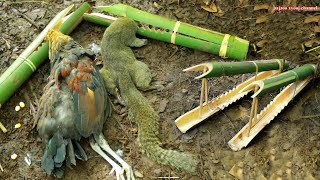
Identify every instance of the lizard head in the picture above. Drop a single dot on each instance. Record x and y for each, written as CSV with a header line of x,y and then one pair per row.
x,y
121,32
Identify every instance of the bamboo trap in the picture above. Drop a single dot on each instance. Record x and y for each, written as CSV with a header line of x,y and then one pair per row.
x,y
258,122
295,80
207,109
200,113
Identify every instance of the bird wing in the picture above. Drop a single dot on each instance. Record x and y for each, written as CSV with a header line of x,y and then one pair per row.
x,y
92,105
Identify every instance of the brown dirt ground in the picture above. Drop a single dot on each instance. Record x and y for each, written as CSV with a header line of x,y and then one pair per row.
x,y
289,147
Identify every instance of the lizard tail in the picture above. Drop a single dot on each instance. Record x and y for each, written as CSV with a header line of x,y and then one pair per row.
x,y
180,160
147,119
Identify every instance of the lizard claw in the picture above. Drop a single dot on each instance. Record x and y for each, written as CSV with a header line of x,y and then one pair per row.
x,y
120,100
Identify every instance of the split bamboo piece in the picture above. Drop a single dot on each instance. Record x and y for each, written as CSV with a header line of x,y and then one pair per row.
x,y
207,109
226,45
298,77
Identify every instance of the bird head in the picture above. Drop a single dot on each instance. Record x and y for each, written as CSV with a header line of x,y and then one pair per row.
x,y
56,41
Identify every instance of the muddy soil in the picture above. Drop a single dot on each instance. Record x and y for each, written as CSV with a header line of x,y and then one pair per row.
x,y
289,147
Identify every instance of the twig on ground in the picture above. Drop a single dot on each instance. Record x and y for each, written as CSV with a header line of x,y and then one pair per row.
x,y
167,177
29,2
232,125
1,167
27,18
311,116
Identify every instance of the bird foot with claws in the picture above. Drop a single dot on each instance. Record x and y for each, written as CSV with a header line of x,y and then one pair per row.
x,y
99,144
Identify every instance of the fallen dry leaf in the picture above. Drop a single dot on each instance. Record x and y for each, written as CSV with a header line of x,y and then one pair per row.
x,y
317,29
207,2
219,14
311,43
241,2
261,43
237,171
261,19
207,8
210,7
261,6
312,19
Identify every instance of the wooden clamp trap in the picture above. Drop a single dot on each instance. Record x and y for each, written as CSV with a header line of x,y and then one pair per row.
x,y
263,82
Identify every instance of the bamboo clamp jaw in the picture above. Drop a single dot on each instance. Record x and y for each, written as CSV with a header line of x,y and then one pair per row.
x,y
208,108
258,121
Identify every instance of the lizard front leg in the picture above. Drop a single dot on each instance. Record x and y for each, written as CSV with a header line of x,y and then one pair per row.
x,y
141,76
109,77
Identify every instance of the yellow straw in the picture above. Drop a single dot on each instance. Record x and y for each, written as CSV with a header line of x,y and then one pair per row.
x,y
3,128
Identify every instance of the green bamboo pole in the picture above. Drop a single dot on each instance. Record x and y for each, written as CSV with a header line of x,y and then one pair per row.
x,y
214,69
23,71
236,48
158,35
286,78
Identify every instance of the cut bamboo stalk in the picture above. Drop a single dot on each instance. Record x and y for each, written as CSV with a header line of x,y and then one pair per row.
x,y
4,130
180,33
241,140
216,69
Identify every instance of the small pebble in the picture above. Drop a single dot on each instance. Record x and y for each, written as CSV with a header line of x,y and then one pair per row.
x,y
27,159
22,105
184,91
14,156
273,151
17,108
138,174
289,164
240,164
286,146
215,161
17,126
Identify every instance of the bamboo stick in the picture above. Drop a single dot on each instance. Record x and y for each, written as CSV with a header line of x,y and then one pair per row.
x,y
216,69
4,130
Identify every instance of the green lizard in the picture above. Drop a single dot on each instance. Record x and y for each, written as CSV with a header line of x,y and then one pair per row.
x,y
123,72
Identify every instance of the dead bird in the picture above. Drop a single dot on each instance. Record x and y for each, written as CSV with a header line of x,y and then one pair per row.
x,y
74,104
123,74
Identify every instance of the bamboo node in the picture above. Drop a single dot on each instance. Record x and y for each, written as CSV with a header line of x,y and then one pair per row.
x,y
281,64
224,46
174,33
28,62
257,69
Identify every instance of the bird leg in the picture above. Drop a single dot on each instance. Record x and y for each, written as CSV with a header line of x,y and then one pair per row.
x,y
100,139
115,166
